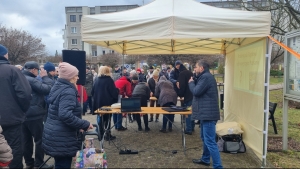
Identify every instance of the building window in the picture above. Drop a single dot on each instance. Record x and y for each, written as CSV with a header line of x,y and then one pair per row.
x,y
73,30
94,53
74,41
80,18
103,52
72,18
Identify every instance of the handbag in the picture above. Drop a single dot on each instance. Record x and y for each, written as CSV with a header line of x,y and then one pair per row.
x,y
231,143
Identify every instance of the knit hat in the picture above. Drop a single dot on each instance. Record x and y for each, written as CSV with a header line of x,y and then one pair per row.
x,y
138,70
135,77
151,67
67,71
48,66
3,50
155,73
178,62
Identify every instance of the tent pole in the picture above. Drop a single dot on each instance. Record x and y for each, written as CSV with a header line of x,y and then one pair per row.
x,y
266,101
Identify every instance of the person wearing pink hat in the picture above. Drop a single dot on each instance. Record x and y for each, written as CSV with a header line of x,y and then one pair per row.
x,y
64,121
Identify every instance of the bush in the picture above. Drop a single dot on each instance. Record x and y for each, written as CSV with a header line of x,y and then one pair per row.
x,y
275,73
221,69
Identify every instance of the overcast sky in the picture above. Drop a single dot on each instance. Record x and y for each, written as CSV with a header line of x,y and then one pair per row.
x,y
46,18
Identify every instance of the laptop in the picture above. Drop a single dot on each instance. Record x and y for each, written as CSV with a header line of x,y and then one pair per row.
x,y
131,104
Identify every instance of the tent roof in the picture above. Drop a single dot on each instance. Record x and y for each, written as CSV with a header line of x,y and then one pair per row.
x,y
173,27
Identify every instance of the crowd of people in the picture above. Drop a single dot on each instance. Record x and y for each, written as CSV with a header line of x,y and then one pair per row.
x,y
42,104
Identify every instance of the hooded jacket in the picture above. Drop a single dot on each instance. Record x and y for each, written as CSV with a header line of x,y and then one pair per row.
x,y
60,136
15,94
175,74
124,86
165,92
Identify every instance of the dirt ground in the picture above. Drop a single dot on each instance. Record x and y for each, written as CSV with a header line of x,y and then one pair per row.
x,y
156,149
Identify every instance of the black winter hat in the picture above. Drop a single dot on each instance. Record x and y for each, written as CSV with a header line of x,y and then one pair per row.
x,y
31,65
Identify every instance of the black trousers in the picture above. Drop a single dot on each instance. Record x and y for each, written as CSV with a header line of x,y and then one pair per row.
x,y
138,119
13,136
104,123
33,131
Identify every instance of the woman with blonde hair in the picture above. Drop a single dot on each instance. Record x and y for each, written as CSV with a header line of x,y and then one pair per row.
x,y
104,93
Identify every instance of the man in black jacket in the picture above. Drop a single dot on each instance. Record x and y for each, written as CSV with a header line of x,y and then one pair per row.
x,y
14,102
205,107
175,74
185,92
33,125
88,87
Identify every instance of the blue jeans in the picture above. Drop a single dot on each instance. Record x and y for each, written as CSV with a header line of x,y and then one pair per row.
x,y
210,147
117,120
190,124
63,162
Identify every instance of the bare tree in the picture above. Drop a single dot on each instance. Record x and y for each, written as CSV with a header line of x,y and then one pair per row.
x,y
53,59
285,16
110,60
130,59
21,45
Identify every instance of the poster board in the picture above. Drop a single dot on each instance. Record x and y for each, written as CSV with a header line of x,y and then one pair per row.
x,y
292,66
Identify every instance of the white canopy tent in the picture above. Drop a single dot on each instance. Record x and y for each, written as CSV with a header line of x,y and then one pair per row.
x,y
190,27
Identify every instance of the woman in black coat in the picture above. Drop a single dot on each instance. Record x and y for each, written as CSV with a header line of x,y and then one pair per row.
x,y
104,93
60,137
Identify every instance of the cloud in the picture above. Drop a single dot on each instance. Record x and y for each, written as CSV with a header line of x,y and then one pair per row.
x,y
46,18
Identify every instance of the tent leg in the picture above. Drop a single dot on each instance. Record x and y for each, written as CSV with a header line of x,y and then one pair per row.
x,y
266,101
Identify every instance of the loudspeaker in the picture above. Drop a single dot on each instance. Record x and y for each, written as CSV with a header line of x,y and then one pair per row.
x,y
76,58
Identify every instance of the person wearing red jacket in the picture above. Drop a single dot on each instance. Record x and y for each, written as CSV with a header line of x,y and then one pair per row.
x,y
124,87
85,97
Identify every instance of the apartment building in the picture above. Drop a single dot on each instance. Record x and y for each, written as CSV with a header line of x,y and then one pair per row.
x,y
72,30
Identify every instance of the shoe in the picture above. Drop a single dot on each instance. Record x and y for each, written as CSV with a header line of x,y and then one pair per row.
x,y
122,128
111,137
147,129
163,130
156,120
170,129
197,161
151,120
46,166
188,132
83,114
140,129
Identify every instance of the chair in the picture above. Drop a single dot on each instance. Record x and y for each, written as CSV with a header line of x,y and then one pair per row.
x,y
272,108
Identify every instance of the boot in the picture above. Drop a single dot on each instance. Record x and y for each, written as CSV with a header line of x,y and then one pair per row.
x,y
151,119
140,128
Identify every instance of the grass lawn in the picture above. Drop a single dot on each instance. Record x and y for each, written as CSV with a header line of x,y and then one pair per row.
x,y
276,80
290,158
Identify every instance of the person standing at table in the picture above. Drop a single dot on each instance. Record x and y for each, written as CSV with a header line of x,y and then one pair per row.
x,y
167,97
124,87
142,90
104,93
184,91
152,83
206,109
